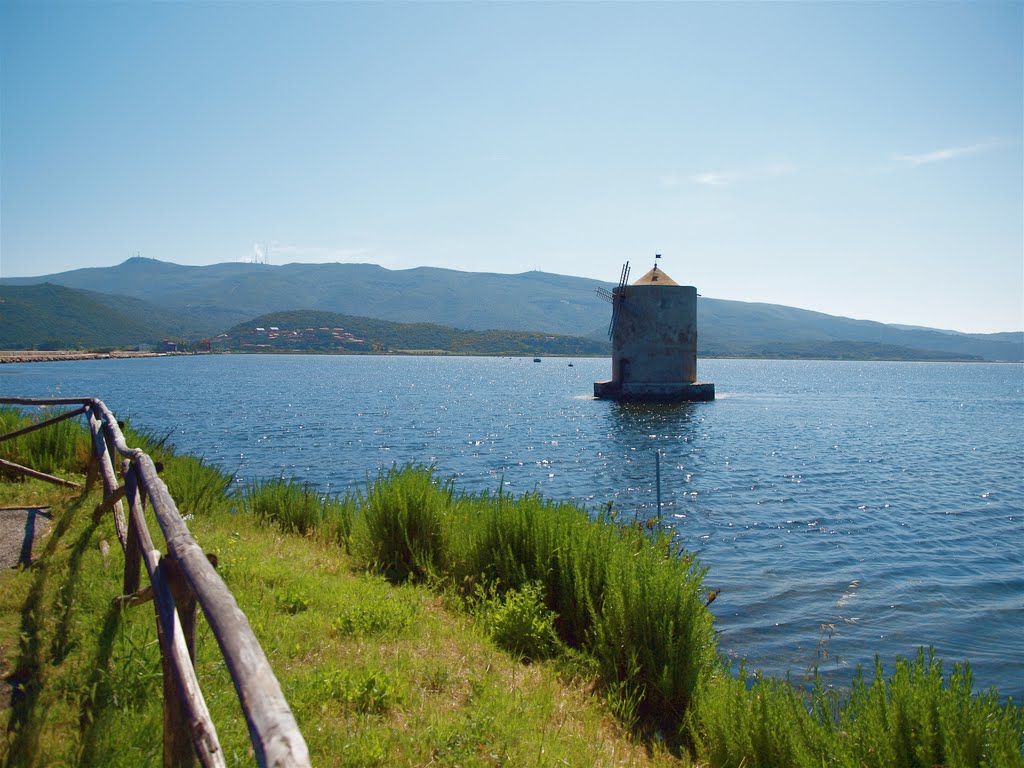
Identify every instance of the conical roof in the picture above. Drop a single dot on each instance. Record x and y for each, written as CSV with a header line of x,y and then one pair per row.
x,y
655,277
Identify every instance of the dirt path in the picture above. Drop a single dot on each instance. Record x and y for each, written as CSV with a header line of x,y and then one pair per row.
x,y
20,528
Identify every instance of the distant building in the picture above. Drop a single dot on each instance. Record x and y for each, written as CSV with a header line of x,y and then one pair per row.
x,y
654,342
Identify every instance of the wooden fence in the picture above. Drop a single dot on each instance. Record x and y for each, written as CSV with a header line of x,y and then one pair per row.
x,y
178,580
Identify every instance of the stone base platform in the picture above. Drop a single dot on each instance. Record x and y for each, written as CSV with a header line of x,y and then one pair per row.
x,y
655,392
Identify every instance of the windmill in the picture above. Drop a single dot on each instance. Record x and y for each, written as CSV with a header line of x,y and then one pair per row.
x,y
615,298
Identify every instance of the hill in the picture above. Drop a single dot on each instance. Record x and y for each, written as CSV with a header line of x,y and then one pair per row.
x,y
218,296
209,299
308,331
746,329
51,316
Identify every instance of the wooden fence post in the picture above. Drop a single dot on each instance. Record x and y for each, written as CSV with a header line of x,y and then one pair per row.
x,y
92,474
179,583
185,602
106,470
178,750
132,554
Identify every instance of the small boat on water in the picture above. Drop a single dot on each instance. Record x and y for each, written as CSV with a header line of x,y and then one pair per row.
x,y
536,359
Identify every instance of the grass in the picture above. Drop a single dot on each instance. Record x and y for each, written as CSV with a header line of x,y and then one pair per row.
x,y
375,673
410,625
61,447
913,717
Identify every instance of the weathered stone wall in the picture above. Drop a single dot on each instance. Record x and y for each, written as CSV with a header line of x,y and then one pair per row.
x,y
655,338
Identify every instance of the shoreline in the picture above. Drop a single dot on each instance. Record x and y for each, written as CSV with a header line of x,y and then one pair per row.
x,y
51,356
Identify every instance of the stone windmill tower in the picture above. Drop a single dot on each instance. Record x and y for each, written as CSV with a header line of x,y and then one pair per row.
x,y
654,341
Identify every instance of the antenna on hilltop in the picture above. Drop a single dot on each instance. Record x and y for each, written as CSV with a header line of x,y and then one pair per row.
x,y
260,255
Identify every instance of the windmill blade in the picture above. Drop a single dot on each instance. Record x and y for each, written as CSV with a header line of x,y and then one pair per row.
x,y
617,298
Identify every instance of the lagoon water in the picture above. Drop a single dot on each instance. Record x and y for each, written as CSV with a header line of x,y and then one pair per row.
x,y
843,509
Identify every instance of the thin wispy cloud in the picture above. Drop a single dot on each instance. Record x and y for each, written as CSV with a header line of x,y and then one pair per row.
x,y
946,153
723,178
716,178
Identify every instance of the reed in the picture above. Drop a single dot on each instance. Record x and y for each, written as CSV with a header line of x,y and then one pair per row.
x,y
759,722
622,595
197,487
403,528
914,718
337,517
292,506
61,447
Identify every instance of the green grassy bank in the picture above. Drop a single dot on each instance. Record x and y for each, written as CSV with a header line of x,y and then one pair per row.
x,y
412,625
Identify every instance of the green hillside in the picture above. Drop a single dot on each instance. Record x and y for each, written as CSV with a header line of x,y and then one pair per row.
x,y
737,328
174,323
197,302
330,332
220,295
831,350
53,317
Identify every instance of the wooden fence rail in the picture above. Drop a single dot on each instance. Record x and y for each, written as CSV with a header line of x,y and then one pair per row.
x,y
179,580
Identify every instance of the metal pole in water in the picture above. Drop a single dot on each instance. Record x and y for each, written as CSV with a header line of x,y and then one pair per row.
x,y
657,474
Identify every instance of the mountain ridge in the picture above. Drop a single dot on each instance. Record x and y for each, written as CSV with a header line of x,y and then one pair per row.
x,y
210,299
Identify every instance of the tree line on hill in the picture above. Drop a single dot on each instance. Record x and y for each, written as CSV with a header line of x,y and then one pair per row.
x,y
329,332
157,300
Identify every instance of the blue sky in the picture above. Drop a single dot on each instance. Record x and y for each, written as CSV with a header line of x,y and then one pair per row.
x,y
861,159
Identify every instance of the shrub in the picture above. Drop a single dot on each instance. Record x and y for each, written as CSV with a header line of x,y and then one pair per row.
x,y
404,513
336,521
515,541
620,593
911,719
195,486
292,506
519,621
761,723
652,631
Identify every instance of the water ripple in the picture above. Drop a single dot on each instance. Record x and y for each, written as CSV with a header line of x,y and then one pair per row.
x,y
843,509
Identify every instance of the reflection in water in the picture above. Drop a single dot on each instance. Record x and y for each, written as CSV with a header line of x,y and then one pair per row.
x,y
635,432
